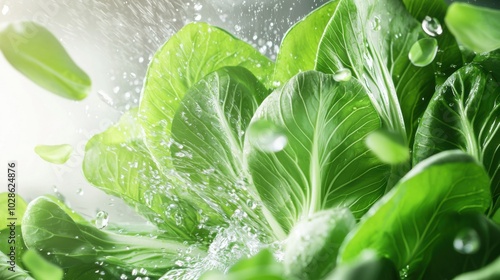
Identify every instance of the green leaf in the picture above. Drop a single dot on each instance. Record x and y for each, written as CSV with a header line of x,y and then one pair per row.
x,y
477,28
57,154
368,266
449,56
118,162
262,266
403,225
8,201
423,52
464,114
192,53
37,54
388,147
489,272
40,268
313,244
325,163
7,274
468,257
48,229
299,46
208,131
372,39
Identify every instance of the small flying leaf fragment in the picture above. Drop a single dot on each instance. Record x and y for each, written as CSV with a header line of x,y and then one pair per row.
x,y
38,54
477,28
423,52
57,154
387,147
40,268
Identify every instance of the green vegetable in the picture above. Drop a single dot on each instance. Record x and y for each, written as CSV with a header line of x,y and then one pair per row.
x,y
388,147
58,154
368,266
423,52
475,27
449,56
489,272
478,247
7,273
38,54
262,266
305,161
118,162
359,37
299,47
208,131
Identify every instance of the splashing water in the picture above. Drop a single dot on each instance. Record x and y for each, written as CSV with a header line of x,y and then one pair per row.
x,y
229,245
342,75
423,52
467,241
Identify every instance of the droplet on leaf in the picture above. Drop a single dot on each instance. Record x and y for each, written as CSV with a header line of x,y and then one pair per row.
x,y
57,154
432,26
423,52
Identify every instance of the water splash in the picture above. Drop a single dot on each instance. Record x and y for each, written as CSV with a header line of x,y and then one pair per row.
x,y
432,26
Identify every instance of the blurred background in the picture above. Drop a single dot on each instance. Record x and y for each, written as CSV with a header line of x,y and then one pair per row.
x,y
113,41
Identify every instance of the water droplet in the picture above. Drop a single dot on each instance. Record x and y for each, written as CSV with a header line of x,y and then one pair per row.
x,y
101,219
237,28
105,98
423,52
5,10
197,17
276,84
467,241
431,26
141,59
266,136
116,89
376,24
123,277
80,191
198,6
134,272
342,75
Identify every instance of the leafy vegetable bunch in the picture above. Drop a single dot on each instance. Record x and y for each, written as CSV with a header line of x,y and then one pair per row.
x,y
368,150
